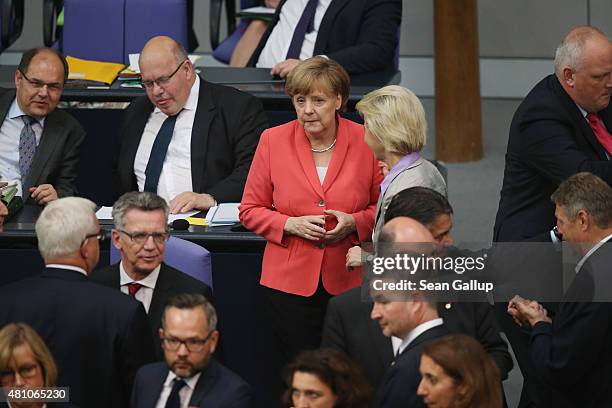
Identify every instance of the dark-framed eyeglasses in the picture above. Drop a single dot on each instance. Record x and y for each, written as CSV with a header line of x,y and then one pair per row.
x,y
38,84
193,345
161,81
24,371
140,238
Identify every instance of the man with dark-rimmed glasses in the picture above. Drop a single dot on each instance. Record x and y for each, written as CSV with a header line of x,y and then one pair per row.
x,y
98,336
39,145
188,140
189,376
140,234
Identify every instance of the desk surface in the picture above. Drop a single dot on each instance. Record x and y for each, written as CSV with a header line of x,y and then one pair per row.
x,y
256,81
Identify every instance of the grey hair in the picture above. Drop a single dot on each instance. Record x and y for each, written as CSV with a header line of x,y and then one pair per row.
x,y
135,200
570,52
63,225
192,301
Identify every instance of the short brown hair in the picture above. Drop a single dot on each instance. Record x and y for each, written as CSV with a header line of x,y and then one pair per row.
x,y
27,56
464,360
319,71
585,191
14,335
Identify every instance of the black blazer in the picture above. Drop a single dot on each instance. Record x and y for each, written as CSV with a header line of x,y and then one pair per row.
x,y
549,141
217,387
348,327
398,387
225,133
56,160
574,353
361,35
98,336
170,282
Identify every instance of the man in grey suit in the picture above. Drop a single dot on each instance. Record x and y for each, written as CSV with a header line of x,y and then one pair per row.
x,y
39,145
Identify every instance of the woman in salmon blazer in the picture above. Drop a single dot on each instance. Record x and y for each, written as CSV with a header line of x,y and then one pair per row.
x,y
311,192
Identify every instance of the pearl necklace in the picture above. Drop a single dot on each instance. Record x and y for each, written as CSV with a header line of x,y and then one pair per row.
x,y
326,149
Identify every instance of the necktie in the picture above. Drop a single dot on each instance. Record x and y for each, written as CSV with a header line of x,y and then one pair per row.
x,y
133,287
303,26
600,131
158,154
27,147
174,400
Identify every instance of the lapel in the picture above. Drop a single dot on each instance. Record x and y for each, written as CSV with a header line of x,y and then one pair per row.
x,y
302,147
204,117
132,140
160,294
577,117
112,279
50,140
326,25
5,102
338,155
207,380
430,334
154,388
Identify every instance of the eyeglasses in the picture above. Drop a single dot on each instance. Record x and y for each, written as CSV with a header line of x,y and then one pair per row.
x,y
161,81
37,84
193,345
141,237
100,236
25,371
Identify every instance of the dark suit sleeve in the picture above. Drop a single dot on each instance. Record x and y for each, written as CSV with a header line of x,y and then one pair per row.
x,y
136,390
489,336
135,347
241,398
252,122
377,40
333,330
549,146
65,181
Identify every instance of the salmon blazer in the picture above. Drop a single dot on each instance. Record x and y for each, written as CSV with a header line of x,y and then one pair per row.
x,y
283,183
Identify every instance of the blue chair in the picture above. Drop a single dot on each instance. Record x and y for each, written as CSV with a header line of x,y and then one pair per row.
x,y
11,23
183,255
222,51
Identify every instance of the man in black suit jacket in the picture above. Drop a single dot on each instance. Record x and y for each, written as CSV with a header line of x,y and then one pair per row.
x,y
44,161
550,138
204,152
348,326
98,337
140,232
573,350
189,374
361,35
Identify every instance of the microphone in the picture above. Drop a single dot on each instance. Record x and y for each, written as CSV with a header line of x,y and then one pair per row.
x,y
179,225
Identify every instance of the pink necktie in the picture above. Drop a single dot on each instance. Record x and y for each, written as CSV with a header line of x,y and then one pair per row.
x,y
600,131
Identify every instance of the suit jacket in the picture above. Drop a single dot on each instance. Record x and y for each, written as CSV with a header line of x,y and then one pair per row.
x,y
98,336
170,282
398,387
549,141
217,387
349,328
361,35
57,157
420,173
283,183
574,353
225,133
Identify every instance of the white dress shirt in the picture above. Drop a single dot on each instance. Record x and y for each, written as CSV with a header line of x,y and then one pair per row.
x,y
69,267
588,254
399,345
175,177
276,47
9,144
185,392
145,293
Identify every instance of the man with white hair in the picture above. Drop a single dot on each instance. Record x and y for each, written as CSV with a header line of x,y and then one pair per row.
x,y
98,336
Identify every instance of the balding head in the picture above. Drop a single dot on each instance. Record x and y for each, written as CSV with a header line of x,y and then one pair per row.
x,y
583,65
165,62
404,229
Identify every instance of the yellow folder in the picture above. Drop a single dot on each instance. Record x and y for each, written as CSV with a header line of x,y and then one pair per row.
x,y
86,70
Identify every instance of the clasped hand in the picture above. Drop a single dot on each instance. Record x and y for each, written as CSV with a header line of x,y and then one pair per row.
x,y
527,311
312,227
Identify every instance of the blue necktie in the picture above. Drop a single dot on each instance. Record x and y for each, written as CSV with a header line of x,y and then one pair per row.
x,y
174,400
158,154
304,25
27,147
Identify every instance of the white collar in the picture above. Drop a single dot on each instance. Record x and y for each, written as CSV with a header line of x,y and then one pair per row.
x,y
192,100
417,331
15,112
70,267
591,251
149,281
191,381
